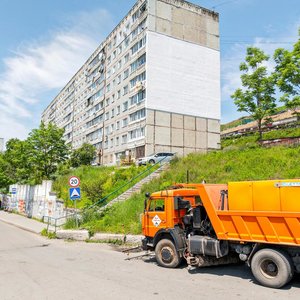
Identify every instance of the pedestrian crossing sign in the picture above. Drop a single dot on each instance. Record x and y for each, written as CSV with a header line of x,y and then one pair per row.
x,y
74,193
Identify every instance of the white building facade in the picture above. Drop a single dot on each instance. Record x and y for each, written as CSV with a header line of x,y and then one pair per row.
x,y
152,85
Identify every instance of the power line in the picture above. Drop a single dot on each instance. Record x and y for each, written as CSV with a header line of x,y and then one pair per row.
x,y
255,42
222,3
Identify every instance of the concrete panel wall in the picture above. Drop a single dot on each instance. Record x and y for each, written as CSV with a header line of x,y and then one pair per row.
x,y
185,135
184,21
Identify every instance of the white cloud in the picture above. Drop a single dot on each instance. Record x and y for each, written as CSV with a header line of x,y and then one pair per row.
x,y
43,66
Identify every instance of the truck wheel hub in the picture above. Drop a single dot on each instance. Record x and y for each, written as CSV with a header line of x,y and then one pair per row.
x,y
269,268
167,254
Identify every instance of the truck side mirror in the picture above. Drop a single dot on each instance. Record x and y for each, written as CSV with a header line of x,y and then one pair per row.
x,y
147,195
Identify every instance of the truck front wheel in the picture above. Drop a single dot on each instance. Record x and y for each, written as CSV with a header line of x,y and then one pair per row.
x,y
272,268
166,254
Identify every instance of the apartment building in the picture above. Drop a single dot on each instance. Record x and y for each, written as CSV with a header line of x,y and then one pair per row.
x,y
152,85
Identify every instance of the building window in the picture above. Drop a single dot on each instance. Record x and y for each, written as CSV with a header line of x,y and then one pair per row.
x,y
125,122
143,8
120,49
124,139
97,134
118,109
126,74
126,58
138,78
135,16
125,106
134,32
140,114
117,141
137,133
118,125
119,79
137,98
106,116
138,63
125,89
112,112
119,94
126,42
138,45
111,142
119,65
108,87
94,121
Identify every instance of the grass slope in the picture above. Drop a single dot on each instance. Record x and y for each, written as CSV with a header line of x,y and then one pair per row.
x,y
244,163
97,182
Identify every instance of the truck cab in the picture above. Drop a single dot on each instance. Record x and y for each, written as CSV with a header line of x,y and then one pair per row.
x,y
163,220
164,210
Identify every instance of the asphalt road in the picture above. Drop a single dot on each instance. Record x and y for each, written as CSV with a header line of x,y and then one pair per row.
x,y
32,267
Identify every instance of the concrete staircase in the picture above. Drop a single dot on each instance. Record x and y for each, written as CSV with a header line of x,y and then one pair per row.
x,y
136,188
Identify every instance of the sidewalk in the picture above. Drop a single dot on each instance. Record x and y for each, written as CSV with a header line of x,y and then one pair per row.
x,y
22,222
78,235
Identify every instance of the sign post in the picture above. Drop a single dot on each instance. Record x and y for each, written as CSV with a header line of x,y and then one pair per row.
x,y
75,193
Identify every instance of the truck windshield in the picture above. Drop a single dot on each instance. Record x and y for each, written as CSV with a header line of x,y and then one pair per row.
x,y
157,204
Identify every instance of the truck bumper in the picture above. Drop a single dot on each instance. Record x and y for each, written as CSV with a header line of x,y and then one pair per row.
x,y
147,244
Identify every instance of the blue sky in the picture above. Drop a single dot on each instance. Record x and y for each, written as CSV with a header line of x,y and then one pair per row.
x,y
43,43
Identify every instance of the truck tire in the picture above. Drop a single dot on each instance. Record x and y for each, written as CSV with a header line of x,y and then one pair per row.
x,y
272,268
166,254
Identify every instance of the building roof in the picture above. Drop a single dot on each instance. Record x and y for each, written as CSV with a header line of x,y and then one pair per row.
x,y
286,115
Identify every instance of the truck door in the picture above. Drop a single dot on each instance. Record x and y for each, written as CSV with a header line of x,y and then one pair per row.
x,y
155,216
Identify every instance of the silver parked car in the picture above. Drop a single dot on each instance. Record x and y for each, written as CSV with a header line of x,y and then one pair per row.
x,y
155,158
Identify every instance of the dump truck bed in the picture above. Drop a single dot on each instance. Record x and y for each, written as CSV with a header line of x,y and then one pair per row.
x,y
256,211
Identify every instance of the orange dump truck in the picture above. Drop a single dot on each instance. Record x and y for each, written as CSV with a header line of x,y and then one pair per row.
x,y
210,224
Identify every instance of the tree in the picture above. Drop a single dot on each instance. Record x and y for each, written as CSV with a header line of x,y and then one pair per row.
x,y
18,167
47,149
83,155
257,96
5,181
287,74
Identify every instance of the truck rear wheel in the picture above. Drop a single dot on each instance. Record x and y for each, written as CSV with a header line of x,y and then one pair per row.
x,y
166,254
272,268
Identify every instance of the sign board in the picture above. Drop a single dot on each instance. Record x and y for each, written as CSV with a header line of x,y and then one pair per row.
x,y
156,221
74,181
75,193
14,191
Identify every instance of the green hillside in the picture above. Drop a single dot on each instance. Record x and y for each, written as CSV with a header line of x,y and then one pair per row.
x,y
231,164
98,182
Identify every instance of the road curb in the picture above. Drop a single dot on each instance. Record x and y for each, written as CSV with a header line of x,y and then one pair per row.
x,y
83,235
